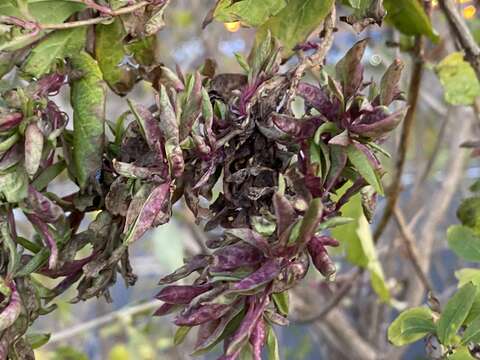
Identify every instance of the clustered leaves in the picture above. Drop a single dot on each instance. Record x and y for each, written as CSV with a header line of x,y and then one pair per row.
x,y
262,182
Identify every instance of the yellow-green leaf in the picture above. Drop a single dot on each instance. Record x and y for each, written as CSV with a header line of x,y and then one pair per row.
x,y
410,326
249,12
455,313
57,46
295,22
459,80
88,102
44,11
110,53
464,242
409,18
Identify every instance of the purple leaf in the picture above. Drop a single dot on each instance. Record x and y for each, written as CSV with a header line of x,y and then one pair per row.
x,y
389,90
42,206
316,97
350,70
181,294
235,256
250,237
154,204
11,312
150,127
166,309
378,122
10,120
202,314
240,337
320,258
44,230
284,213
266,273
257,339
196,263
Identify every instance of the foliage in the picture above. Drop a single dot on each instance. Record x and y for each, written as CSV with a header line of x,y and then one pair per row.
x,y
286,180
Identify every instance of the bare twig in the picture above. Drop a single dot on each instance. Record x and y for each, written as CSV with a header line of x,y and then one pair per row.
x,y
333,302
113,13
413,96
103,320
411,248
463,34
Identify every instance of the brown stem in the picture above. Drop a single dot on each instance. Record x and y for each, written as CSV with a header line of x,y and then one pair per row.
x,y
97,20
413,96
463,34
411,248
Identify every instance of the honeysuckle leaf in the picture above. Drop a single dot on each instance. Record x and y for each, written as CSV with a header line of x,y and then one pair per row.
x,y
410,18
248,12
88,102
464,242
472,333
181,334
295,22
455,312
349,69
110,53
55,47
14,184
34,141
44,11
461,85
37,340
410,326
364,167
282,302
272,344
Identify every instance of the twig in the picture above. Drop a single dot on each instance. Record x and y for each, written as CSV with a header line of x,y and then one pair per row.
x,y
317,58
122,11
409,241
103,320
333,302
413,96
463,34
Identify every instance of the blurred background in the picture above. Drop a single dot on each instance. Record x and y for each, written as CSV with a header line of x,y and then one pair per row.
x,y
437,177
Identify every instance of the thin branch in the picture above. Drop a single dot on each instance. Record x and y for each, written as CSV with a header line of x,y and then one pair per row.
x,y
411,248
333,302
122,11
413,96
103,320
462,33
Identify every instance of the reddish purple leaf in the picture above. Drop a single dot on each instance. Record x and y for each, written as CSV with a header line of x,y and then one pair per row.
x,y
181,294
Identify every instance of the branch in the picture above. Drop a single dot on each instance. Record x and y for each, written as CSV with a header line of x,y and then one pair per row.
x,y
463,34
413,96
98,20
409,241
333,302
103,320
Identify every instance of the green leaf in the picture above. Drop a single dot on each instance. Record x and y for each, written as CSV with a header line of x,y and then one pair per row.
x,y
57,46
295,22
14,185
377,277
272,345
467,275
455,313
409,18
357,240
282,302
44,11
458,79
143,50
37,340
461,353
472,333
249,12
181,334
88,102
410,326
464,242
364,167
110,52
